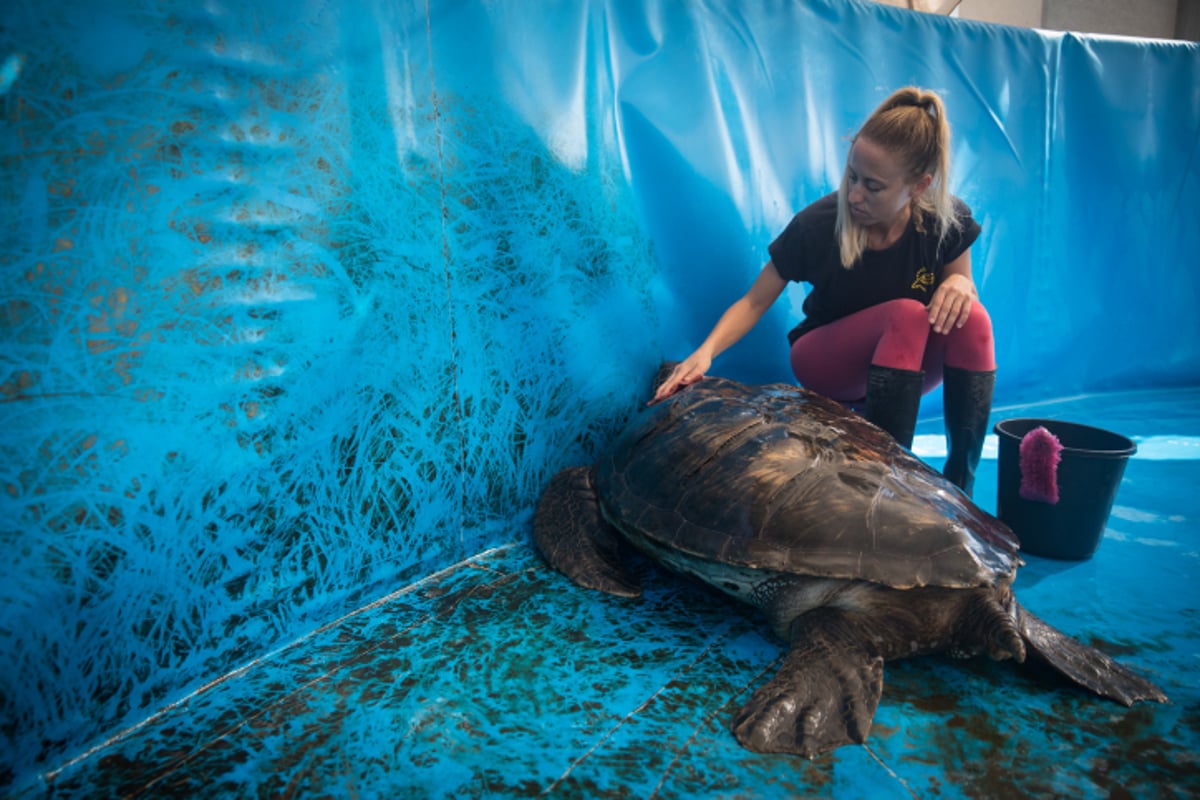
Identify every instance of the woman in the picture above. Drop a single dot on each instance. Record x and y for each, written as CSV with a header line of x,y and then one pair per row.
x,y
892,310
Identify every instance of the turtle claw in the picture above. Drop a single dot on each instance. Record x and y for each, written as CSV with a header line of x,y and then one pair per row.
x,y
824,696
575,538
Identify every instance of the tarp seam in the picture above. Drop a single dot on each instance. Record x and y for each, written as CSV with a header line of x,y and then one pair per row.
x,y
445,211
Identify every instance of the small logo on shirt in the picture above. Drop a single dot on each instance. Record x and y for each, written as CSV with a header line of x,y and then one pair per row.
x,y
924,280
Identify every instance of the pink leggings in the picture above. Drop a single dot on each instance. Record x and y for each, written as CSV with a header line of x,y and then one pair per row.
x,y
833,359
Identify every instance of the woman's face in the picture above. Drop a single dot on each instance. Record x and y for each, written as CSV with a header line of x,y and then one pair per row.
x,y
877,190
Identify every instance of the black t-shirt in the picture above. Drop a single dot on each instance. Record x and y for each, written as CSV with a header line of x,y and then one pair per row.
x,y
808,251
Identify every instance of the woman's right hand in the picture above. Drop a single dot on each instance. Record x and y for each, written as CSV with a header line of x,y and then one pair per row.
x,y
732,326
686,372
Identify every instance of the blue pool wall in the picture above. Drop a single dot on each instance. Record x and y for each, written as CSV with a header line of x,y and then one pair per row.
x,y
302,301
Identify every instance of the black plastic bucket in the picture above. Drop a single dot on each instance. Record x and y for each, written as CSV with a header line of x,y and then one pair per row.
x,y
1089,473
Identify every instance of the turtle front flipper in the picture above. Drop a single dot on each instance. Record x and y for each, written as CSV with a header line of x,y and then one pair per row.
x,y
575,538
1084,665
824,695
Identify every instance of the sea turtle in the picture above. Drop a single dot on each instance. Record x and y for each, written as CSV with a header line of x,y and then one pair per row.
x,y
855,550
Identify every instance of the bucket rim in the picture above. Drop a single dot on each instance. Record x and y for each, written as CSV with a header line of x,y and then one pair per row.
x,y
1108,452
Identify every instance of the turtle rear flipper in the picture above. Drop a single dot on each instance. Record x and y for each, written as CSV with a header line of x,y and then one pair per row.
x,y
575,538
1084,665
824,695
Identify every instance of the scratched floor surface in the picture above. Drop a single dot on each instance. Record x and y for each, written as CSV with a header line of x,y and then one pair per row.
x,y
496,678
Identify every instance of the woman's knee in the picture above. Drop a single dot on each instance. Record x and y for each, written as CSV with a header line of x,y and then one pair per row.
x,y
906,311
905,334
907,320
973,345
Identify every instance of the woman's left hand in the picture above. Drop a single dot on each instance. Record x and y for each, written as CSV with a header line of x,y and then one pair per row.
x,y
951,303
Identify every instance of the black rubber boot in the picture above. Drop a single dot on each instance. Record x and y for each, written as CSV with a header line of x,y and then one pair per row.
x,y
893,397
967,396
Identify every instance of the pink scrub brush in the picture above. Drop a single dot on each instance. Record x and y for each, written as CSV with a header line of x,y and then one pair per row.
x,y
1040,453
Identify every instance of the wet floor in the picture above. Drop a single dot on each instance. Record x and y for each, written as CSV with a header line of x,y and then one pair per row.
x,y
497,678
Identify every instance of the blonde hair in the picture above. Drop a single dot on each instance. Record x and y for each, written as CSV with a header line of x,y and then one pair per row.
x,y
911,124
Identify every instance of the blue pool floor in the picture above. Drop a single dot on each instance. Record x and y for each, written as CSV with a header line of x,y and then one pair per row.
x,y
498,678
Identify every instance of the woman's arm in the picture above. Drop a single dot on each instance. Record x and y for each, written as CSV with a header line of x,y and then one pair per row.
x,y
737,320
954,296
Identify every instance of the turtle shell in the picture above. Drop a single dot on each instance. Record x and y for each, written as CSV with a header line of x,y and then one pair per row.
x,y
779,478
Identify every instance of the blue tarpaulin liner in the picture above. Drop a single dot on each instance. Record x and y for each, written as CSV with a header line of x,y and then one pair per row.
x,y
303,301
